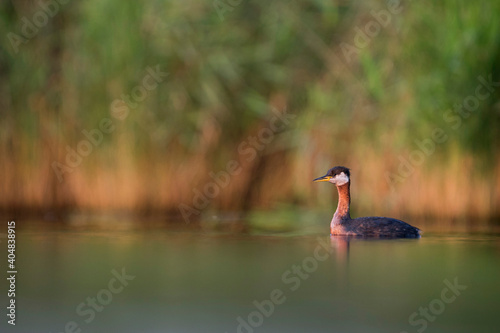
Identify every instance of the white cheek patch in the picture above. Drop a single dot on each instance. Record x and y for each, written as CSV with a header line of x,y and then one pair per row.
x,y
339,179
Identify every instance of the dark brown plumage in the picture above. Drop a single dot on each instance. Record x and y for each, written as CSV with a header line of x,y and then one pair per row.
x,y
342,224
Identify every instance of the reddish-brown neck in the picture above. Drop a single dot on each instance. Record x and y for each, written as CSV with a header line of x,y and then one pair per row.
x,y
342,212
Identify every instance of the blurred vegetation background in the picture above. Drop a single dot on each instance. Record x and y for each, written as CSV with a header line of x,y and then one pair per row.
x,y
368,84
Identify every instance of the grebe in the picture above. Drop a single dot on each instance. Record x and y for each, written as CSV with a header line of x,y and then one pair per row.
x,y
342,224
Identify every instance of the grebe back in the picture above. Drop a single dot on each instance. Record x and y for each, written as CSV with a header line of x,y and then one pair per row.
x,y
343,224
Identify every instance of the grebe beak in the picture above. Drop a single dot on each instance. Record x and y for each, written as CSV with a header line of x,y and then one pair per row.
x,y
322,179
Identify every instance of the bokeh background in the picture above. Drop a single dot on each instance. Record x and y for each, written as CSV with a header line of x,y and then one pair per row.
x,y
380,87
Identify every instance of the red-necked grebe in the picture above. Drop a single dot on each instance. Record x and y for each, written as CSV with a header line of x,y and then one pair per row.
x,y
342,224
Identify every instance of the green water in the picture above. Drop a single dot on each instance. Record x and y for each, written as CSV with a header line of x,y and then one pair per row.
x,y
193,281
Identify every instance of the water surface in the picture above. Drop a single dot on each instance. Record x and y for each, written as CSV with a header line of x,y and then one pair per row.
x,y
186,280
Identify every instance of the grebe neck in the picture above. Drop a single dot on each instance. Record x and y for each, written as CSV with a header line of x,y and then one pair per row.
x,y
342,212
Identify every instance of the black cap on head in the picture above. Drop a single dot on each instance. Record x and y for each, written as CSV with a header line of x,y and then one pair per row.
x,y
338,170
332,173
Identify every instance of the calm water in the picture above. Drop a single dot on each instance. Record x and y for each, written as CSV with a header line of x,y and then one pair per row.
x,y
163,280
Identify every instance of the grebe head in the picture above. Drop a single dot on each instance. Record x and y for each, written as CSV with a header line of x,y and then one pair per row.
x,y
338,175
